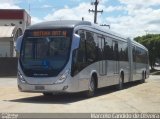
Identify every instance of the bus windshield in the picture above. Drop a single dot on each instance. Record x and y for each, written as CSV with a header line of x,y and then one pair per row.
x,y
45,52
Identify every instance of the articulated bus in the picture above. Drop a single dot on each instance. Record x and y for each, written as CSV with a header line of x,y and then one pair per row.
x,y
69,56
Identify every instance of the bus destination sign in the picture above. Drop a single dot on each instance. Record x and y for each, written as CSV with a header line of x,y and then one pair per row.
x,y
49,33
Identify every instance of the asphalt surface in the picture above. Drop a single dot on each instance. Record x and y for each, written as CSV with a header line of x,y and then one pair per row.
x,y
135,97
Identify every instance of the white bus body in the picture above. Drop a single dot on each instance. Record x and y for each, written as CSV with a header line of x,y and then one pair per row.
x,y
74,56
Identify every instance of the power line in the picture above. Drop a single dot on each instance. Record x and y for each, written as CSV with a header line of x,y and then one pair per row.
x,y
95,11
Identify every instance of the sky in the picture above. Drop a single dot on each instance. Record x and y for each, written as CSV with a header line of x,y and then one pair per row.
x,y
130,18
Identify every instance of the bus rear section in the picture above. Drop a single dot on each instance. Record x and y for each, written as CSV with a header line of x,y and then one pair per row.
x,y
44,63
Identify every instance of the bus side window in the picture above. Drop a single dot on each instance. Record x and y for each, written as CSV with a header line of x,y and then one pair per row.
x,y
86,53
81,50
101,47
115,51
90,47
108,49
123,51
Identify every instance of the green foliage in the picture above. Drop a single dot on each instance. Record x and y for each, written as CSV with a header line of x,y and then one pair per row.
x,y
152,43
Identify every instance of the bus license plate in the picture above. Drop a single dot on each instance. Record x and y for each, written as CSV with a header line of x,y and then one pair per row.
x,y
39,87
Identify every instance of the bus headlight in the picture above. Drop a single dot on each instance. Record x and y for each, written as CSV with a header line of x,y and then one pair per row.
x,y
63,77
21,78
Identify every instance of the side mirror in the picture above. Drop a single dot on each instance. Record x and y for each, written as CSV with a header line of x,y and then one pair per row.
x,y
75,46
18,43
75,42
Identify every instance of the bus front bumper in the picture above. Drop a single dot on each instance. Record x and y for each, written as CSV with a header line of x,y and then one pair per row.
x,y
57,88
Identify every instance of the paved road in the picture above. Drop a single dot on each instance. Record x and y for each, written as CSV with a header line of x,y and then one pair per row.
x,y
134,98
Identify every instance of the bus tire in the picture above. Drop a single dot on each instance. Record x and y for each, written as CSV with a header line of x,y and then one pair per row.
x,y
143,77
47,94
120,85
92,87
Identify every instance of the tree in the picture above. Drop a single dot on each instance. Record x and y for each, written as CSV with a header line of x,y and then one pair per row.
x,y
152,43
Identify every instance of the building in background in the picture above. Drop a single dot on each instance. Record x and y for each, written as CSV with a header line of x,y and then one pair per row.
x,y
15,17
13,23
8,36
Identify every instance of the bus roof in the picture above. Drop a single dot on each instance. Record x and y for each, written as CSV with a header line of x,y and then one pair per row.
x,y
72,24
59,24
139,45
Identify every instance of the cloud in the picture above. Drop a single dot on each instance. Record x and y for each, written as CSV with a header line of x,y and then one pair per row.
x,y
140,16
33,1
140,3
35,20
10,1
113,8
156,21
46,6
8,6
75,13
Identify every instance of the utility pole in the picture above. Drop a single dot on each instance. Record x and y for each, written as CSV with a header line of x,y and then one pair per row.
x,y
95,11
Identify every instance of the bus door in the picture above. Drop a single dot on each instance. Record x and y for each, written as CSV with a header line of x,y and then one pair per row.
x,y
102,62
134,62
115,58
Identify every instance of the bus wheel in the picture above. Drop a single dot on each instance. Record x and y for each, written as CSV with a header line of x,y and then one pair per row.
x,y
120,85
92,87
47,94
143,77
